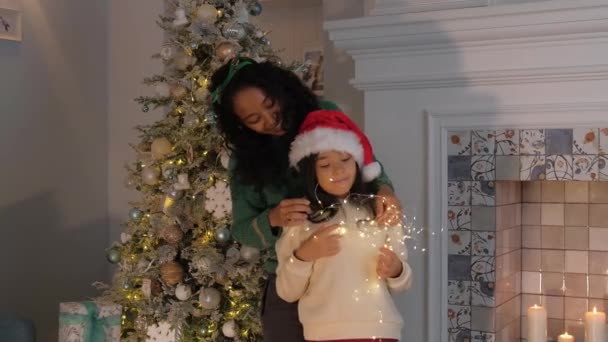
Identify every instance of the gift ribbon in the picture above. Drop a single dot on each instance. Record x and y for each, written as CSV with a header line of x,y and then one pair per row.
x,y
93,327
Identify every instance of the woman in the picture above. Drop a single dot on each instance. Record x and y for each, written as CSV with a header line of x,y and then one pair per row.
x,y
260,107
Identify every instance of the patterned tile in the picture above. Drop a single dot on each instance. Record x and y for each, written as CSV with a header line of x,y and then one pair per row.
x,y
483,218
558,167
483,243
459,267
483,268
459,335
602,165
507,142
483,319
483,193
459,143
532,141
459,292
459,218
603,140
483,142
481,336
483,167
558,141
459,168
585,168
459,193
459,242
483,293
586,141
532,168
459,316
507,168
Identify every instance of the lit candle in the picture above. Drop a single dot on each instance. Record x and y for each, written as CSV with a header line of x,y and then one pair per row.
x,y
595,326
537,324
565,337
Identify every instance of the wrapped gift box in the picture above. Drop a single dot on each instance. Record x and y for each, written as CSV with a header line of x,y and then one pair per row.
x,y
89,322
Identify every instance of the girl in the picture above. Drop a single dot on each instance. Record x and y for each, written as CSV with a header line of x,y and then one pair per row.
x,y
342,266
260,107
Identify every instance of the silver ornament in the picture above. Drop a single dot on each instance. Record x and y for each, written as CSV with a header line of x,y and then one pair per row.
x,y
255,9
191,120
250,254
234,30
145,108
113,255
206,14
222,235
135,214
168,172
210,298
175,194
150,175
232,255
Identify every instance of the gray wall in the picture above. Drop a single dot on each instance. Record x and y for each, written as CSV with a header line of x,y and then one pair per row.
x,y
53,150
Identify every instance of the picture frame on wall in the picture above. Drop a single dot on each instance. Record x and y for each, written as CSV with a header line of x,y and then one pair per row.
x,y
314,75
10,21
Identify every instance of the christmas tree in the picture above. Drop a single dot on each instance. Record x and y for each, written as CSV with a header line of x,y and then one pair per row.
x,y
178,270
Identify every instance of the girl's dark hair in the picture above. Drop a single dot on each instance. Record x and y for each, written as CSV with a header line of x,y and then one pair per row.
x,y
314,194
262,160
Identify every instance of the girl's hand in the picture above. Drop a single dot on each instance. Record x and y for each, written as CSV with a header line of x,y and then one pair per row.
x,y
389,264
289,212
388,207
323,243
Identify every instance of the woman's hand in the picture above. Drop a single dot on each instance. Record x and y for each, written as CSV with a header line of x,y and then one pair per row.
x,y
323,243
388,207
289,212
389,264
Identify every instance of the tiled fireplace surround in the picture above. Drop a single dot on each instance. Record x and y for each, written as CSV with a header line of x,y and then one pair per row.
x,y
528,224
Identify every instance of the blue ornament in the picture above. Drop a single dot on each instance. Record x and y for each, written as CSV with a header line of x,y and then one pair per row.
x,y
135,214
113,255
255,9
222,235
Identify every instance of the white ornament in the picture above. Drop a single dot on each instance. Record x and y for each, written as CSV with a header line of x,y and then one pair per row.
x,y
160,147
124,237
180,17
229,329
182,182
218,200
206,14
166,52
183,292
242,13
161,333
146,287
162,89
209,298
225,159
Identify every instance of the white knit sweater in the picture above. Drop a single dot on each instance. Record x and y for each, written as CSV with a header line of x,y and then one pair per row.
x,y
342,297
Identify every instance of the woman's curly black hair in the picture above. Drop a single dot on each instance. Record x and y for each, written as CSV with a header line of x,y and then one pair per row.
x,y
262,160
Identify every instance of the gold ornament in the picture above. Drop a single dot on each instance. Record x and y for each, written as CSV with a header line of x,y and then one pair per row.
x,y
171,273
183,61
225,51
206,14
201,94
178,92
172,234
160,147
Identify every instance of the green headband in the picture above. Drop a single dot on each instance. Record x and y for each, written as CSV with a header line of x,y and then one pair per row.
x,y
216,95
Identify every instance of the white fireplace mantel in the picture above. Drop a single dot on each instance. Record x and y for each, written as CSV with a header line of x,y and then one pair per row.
x,y
484,41
542,62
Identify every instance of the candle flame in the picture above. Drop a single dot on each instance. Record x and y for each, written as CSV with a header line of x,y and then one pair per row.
x,y
594,309
535,306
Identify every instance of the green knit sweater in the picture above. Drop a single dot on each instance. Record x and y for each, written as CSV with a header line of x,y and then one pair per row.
x,y
250,224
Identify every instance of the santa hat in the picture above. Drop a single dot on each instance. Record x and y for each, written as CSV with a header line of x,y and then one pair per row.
x,y
326,130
